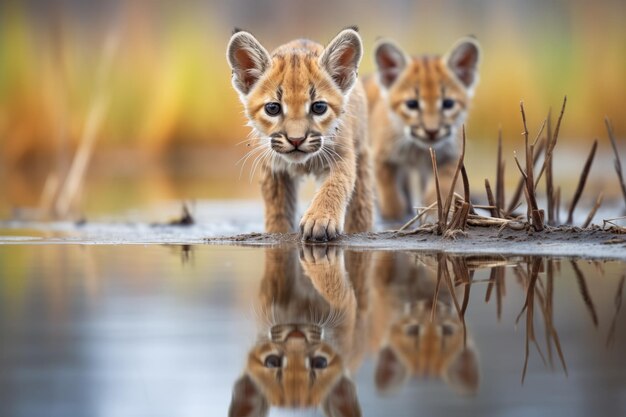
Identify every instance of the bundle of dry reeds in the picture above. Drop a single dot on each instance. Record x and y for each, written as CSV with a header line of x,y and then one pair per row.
x,y
457,212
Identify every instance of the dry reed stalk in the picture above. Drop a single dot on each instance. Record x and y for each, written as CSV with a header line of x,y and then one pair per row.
x,y
492,201
500,177
417,217
440,220
514,203
611,222
484,206
536,215
593,211
466,188
459,219
552,142
72,185
48,195
533,214
557,205
618,164
74,180
548,169
581,182
487,221
459,165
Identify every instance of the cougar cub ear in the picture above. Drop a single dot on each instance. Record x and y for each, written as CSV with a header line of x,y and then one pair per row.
x,y
390,371
463,374
390,62
463,60
247,59
342,401
341,58
248,400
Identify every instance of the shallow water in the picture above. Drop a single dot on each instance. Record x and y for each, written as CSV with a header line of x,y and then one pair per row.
x,y
163,330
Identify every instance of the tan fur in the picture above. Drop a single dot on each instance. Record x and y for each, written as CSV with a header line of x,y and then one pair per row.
x,y
334,145
307,308
409,343
401,136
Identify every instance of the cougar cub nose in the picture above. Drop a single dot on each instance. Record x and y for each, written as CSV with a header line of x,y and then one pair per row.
x,y
296,141
432,134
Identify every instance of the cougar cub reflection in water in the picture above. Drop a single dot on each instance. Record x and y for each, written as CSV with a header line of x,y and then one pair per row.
x,y
410,342
309,334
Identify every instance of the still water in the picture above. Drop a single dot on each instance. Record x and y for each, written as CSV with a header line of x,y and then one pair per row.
x,y
306,330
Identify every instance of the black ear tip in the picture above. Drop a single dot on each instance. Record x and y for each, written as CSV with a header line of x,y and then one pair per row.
x,y
237,30
353,27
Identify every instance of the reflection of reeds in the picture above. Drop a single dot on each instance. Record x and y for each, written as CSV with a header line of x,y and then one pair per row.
x,y
496,279
443,273
584,292
618,305
539,297
546,304
530,277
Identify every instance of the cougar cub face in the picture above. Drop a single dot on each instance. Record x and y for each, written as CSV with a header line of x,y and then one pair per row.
x,y
295,97
430,95
299,358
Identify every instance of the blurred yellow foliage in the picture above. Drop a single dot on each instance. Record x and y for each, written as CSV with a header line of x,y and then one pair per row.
x,y
168,85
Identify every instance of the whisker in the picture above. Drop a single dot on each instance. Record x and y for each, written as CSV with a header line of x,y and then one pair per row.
x,y
247,157
257,161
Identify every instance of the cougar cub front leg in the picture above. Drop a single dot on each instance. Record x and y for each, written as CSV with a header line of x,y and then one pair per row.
x,y
324,219
392,203
280,193
325,266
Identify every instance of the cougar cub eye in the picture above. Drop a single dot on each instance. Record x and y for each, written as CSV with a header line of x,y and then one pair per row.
x,y
319,107
273,361
413,104
319,362
413,330
273,109
447,330
447,103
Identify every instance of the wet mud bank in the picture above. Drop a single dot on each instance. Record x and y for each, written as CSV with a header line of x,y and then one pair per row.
x,y
592,242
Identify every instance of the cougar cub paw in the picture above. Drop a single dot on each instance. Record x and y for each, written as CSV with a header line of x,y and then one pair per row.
x,y
319,228
318,254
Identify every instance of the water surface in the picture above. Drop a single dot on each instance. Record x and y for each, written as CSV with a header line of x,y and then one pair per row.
x,y
164,330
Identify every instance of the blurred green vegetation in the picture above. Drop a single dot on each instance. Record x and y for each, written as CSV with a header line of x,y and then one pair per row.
x,y
168,86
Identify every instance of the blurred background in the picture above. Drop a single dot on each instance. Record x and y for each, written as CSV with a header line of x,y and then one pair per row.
x,y
133,99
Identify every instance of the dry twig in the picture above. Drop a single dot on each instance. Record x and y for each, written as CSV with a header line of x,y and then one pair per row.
x,y
581,182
